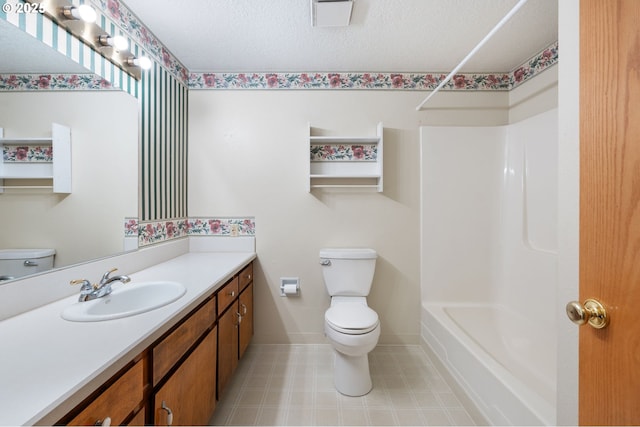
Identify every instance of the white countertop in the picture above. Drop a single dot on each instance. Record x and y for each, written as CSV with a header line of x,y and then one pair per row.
x,y
48,364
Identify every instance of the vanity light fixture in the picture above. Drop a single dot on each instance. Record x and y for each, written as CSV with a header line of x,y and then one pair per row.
x,y
142,62
83,12
119,43
80,20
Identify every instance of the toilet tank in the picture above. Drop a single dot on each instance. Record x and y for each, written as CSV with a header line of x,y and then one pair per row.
x,y
348,271
16,263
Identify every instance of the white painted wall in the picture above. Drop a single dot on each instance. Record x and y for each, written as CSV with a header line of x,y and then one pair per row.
x,y
247,156
89,222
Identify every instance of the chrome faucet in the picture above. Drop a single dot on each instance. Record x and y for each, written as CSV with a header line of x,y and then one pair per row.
x,y
89,292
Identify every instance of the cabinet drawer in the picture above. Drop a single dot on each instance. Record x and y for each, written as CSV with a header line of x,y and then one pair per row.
x,y
175,345
227,294
117,401
246,276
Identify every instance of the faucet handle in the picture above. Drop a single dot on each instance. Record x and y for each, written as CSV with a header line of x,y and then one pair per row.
x,y
84,282
105,276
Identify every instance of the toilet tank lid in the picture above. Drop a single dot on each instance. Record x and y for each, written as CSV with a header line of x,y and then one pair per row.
x,y
348,253
25,253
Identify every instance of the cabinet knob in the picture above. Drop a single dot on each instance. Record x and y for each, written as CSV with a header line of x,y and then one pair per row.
x,y
244,309
232,294
106,422
169,413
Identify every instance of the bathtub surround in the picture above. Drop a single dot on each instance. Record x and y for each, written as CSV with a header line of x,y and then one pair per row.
x,y
500,216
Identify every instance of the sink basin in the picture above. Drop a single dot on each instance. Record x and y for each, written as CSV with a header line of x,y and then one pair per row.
x,y
128,300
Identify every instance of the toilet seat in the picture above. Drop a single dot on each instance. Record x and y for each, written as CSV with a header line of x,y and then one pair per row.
x,y
351,319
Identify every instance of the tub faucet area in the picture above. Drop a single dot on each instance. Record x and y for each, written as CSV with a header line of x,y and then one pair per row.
x,y
90,292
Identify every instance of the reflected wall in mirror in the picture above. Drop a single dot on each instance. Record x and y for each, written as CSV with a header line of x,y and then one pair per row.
x,y
88,223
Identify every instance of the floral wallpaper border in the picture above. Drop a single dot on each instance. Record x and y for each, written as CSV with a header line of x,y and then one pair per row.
x,y
386,81
344,152
131,227
363,81
161,231
27,154
27,82
221,227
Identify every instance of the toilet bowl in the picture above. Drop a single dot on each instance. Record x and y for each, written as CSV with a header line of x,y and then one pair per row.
x,y
350,325
353,329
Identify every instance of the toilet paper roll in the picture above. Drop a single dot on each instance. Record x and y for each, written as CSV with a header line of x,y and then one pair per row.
x,y
290,289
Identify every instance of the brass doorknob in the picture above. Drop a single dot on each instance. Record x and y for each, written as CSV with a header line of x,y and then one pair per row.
x,y
592,312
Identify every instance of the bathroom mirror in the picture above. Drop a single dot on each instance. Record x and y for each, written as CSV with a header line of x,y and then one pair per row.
x,y
89,222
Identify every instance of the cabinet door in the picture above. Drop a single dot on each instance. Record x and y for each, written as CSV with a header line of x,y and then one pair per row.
x,y
227,346
246,313
118,401
167,352
190,393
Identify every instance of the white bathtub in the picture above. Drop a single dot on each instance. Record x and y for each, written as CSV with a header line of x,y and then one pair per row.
x,y
499,359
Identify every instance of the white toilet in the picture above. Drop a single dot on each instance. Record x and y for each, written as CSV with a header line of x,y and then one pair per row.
x,y
350,325
15,263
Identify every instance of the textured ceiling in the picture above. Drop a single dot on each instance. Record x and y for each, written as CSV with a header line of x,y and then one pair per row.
x,y
384,35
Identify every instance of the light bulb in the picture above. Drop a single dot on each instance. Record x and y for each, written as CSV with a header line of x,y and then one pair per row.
x,y
142,62
83,12
117,42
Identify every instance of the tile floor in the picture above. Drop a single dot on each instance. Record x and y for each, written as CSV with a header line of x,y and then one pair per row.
x,y
293,385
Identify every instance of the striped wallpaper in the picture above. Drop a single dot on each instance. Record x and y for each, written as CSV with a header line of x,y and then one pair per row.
x,y
163,150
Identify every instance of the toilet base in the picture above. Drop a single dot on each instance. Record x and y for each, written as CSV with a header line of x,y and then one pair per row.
x,y
351,374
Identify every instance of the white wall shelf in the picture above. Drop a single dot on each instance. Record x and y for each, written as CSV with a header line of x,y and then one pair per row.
x,y
346,161
54,166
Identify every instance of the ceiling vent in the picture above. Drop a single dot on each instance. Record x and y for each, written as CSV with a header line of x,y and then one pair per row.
x,y
331,13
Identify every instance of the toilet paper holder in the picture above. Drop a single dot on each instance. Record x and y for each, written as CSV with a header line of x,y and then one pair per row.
x,y
289,286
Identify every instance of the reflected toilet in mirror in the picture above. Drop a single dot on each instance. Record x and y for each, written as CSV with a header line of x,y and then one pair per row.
x,y
15,263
